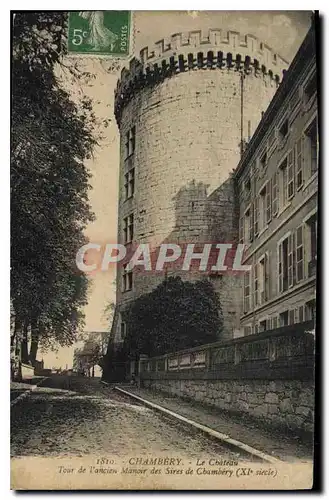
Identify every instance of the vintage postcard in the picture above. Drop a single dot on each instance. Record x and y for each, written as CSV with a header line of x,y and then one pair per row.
x,y
164,186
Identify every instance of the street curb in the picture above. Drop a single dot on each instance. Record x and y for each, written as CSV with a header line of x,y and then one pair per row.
x,y
27,392
224,438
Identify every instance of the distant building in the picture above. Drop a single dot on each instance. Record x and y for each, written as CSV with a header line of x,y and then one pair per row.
x,y
277,181
88,357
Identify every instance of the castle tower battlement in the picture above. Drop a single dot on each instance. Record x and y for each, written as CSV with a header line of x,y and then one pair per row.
x,y
215,49
185,109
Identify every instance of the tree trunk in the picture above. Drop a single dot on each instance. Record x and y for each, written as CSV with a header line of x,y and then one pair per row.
x,y
34,350
93,371
34,341
24,344
17,368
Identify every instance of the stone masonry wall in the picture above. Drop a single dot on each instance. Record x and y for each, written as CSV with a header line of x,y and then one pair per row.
x,y
286,404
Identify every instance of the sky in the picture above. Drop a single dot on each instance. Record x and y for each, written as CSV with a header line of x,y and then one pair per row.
x,y
284,31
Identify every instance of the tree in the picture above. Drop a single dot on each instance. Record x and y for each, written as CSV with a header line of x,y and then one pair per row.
x,y
52,136
176,315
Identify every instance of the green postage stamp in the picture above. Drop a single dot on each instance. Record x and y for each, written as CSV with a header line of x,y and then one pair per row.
x,y
100,32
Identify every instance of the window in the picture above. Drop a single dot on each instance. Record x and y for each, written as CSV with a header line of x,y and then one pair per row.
x,y
291,317
127,144
127,279
246,292
262,325
291,176
283,130
284,318
274,322
256,216
268,202
283,183
256,301
312,222
310,310
251,223
284,252
248,229
263,279
263,160
311,147
130,142
311,244
310,88
300,314
128,228
247,330
299,254
262,207
299,164
129,183
291,239
275,195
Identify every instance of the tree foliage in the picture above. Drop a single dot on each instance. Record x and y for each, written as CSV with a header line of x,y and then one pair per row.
x,y
51,138
176,315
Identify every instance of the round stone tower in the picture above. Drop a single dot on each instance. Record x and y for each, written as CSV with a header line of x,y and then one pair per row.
x,y
185,110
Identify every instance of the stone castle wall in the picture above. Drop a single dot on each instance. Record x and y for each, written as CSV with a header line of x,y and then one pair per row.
x,y
282,403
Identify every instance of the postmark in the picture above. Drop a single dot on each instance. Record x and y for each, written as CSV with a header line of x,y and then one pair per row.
x,y
100,33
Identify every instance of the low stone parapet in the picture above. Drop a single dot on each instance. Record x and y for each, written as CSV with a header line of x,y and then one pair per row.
x,y
269,376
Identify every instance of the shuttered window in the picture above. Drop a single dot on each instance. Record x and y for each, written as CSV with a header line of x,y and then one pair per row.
x,y
275,194
256,300
246,292
299,163
268,202
290,261
299,254
291,177
256,216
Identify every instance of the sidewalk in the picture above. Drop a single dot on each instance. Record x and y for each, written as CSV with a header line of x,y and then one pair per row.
x,y
19,388
274,443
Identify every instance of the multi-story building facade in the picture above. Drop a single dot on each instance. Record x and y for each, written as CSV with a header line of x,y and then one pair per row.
x,y
277,181
184,110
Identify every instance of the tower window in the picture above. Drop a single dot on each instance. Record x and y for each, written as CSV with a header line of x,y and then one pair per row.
x,y
128,228
127,279
129,183
130,142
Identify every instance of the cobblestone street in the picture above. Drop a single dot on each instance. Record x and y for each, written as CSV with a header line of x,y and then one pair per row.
x,y
71,416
